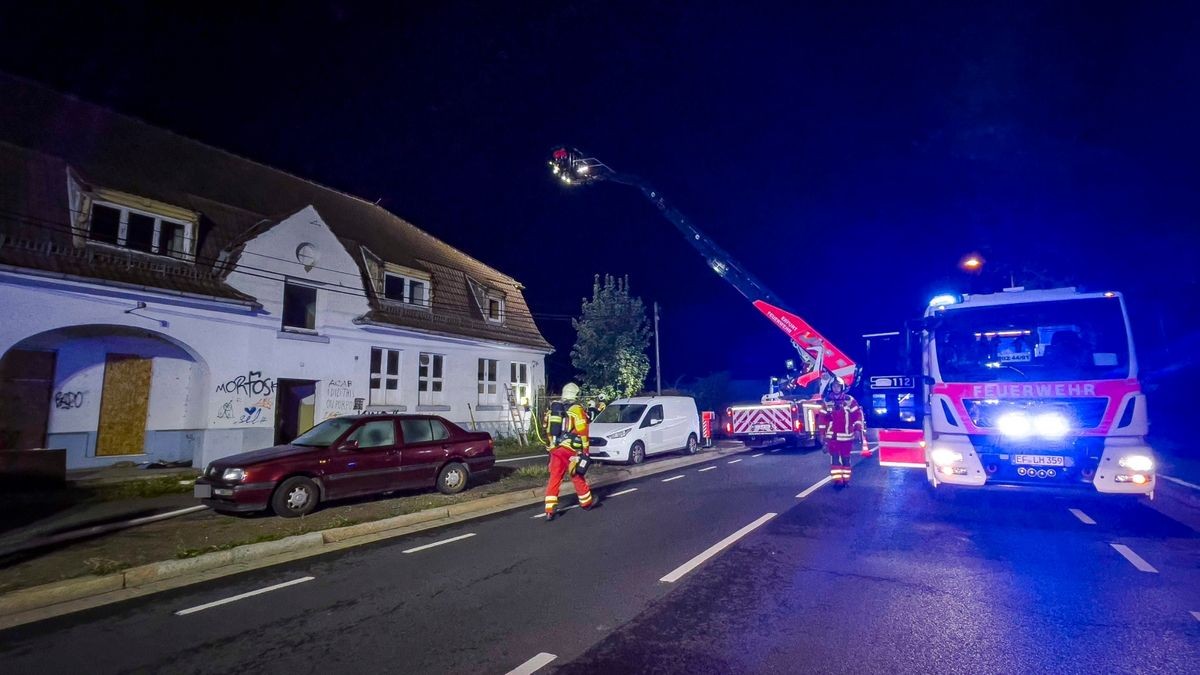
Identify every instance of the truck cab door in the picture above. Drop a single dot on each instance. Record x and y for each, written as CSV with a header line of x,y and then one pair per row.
x,y
892,396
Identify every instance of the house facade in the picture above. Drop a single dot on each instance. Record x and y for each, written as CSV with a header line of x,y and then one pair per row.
x,y
164,300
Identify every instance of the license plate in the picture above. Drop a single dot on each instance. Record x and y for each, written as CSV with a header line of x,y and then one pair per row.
x,y
762,426
202,491
1040,460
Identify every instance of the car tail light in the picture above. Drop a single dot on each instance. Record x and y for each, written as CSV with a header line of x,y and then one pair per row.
x,y
797,425
729,427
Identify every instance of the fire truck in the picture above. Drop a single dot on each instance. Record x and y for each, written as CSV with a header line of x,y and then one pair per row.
x,y
787,414
1016,388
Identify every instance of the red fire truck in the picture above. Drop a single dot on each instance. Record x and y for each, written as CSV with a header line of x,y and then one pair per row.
x,y
1020,387
787,414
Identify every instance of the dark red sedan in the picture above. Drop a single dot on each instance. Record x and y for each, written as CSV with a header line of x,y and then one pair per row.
x,y
347,457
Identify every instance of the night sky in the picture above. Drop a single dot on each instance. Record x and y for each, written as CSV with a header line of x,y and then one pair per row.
x,y
848,156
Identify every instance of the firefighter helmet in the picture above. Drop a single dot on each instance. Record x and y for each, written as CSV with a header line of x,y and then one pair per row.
x,y
570,391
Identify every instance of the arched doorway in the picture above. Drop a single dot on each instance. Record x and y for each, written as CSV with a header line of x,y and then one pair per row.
x,y
104,393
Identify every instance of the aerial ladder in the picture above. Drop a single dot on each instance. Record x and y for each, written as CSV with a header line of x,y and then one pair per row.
x,y
820,359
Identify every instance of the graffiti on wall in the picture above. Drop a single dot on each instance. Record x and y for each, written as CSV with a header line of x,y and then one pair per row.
x,y
339,398
248,400
68,400
251,384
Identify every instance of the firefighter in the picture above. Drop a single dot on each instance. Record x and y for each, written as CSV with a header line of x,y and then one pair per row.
x,y
567,431
845,428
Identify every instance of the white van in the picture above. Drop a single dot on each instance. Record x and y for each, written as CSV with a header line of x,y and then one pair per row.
x,y
629,429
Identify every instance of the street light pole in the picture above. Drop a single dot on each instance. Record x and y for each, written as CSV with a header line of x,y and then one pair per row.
x,y
657,360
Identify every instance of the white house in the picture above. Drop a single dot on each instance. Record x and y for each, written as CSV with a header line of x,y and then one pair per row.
x,y
166,300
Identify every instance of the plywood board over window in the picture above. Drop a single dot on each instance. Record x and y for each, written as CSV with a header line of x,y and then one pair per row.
x,y
124,405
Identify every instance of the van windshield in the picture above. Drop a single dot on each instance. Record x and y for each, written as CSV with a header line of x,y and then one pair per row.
x,y
621,413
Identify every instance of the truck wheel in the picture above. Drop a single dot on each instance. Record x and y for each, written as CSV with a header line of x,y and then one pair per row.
x,y
693,445
637,453
452,479
295,497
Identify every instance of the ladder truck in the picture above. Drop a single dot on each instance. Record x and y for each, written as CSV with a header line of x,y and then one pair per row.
x,y
788,414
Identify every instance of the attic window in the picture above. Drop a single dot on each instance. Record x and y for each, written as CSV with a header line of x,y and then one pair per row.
x,y
495,308
407,289
140,231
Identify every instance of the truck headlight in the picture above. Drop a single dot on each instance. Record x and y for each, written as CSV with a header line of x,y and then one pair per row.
x,y
619,434
233,475
944,456
1015,425
1137,463
1052,425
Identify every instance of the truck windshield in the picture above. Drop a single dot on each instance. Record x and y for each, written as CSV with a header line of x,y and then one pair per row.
x,y
621,413
324,433
1082,339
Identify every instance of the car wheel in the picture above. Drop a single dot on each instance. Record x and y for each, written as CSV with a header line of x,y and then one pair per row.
x,y
693,445
452,479
637,453
295,497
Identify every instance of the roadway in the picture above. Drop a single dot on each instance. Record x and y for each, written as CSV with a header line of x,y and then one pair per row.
x,y
878,577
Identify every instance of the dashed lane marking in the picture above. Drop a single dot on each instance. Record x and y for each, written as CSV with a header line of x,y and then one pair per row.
x,y
1177,481
565,508
623,492
774,451
707,468
758,455
733,461
533,665
716,548
668,480
1196,615
241,596
1135,559
1083,517
814,487
439,543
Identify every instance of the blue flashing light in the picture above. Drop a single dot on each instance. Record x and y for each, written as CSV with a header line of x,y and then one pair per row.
x,y
943,300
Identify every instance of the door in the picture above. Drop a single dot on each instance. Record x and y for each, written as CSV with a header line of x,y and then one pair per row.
x,y
655,437
124,405
426,447
295,407
26,381
373,466
892,394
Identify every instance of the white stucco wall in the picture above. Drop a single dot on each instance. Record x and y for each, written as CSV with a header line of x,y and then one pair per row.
x,y
216,365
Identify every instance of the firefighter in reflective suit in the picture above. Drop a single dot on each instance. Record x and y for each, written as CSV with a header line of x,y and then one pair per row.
x,y
567,429
845,429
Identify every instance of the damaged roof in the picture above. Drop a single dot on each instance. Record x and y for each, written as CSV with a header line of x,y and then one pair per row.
x,y
45,134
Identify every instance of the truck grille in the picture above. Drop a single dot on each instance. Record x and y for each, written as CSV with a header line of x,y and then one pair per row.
x,y
1084,413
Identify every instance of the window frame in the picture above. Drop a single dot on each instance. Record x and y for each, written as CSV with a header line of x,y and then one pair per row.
x,y
484,368
427,394
384,394
520,387
283,309
407,279
487,310
647,420
188,253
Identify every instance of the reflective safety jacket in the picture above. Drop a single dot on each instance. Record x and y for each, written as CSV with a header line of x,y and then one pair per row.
x,y
568,429
843,421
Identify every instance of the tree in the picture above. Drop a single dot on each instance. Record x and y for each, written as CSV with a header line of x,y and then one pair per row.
x,y
612,333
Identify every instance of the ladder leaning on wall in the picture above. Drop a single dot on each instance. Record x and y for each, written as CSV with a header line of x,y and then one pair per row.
x,y
515,414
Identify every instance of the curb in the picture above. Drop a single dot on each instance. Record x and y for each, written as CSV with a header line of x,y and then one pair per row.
x,y
61,597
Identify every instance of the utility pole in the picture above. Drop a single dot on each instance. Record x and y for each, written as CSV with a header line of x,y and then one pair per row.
x,y
657,360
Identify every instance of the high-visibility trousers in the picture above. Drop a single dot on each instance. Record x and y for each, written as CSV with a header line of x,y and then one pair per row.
x,y
839,460
560,462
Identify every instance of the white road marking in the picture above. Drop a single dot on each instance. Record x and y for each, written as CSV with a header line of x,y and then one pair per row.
x,y
242,596
814,487
1196,615
517,459
668,480
758,455
1175,480
623,492
775,450
707,468
1134,558
716,548
533,665
565,508
439,543
733,461
1083,517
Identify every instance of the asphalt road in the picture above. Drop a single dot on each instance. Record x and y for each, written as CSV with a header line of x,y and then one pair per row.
x,y
875,578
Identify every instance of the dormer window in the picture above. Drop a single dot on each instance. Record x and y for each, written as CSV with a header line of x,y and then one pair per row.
x,y
139,230
407,287
495,308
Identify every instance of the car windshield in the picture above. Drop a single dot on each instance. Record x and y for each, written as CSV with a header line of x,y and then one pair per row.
x,y
1082,339
621,413
324,433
